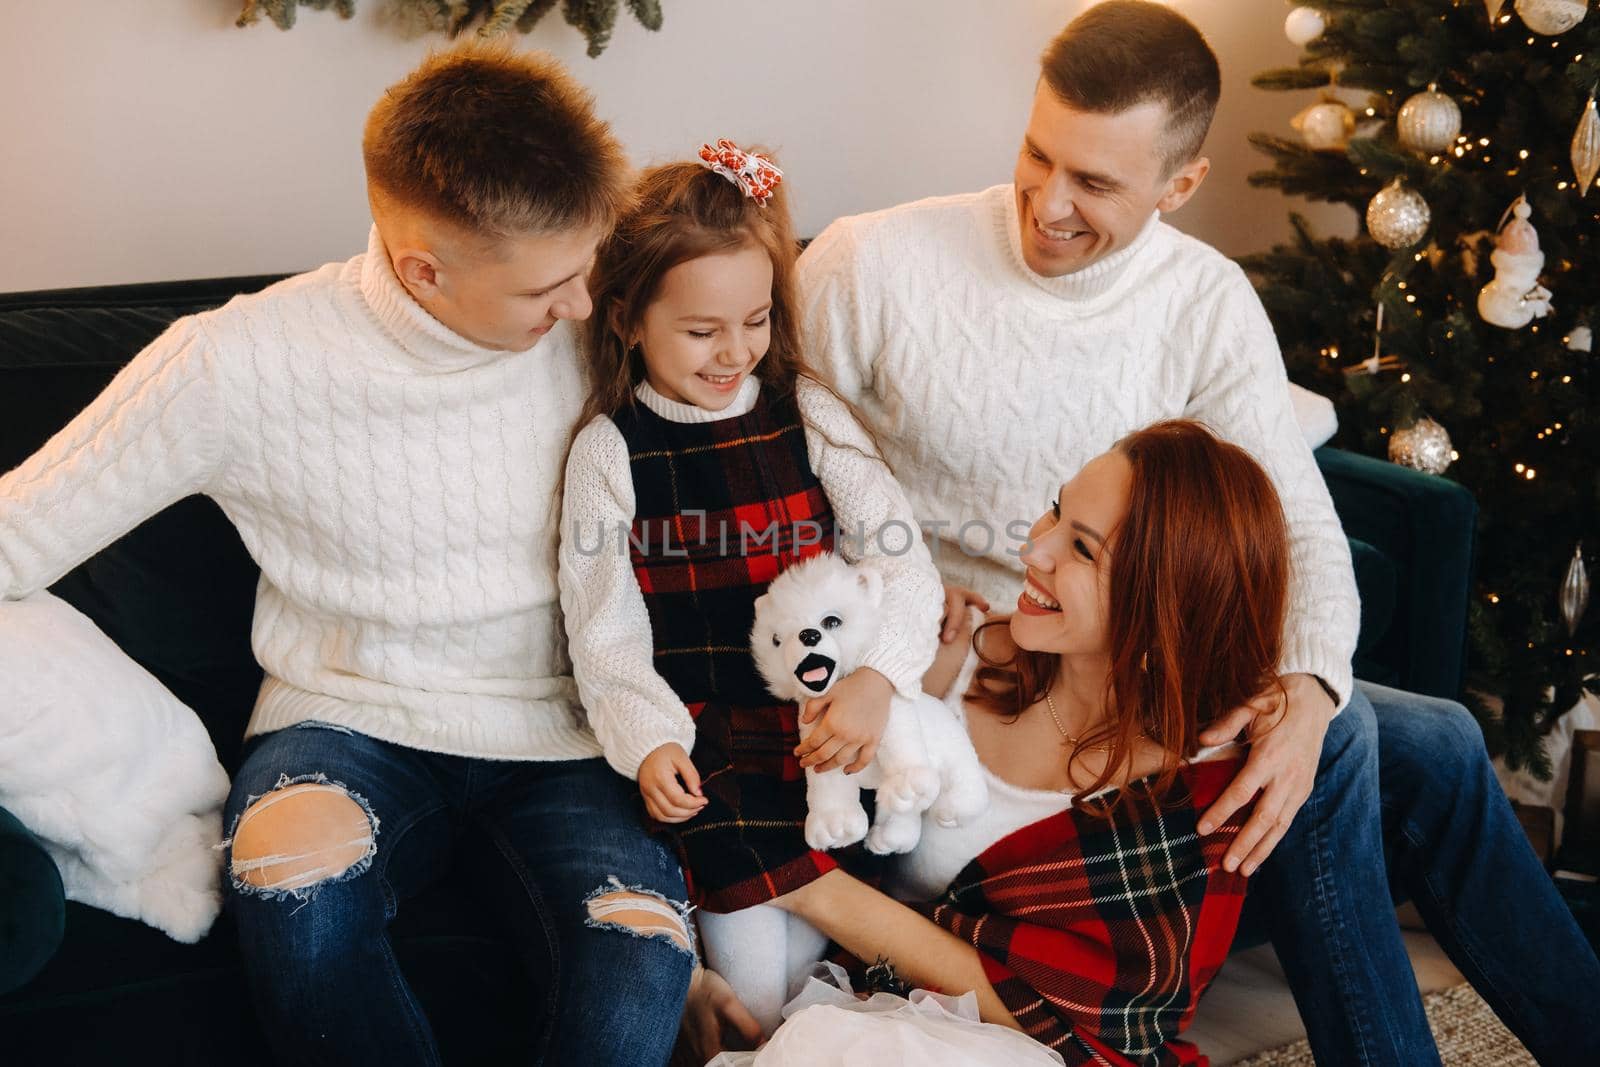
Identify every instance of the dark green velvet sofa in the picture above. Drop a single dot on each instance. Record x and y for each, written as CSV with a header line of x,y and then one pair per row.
x,y
80,986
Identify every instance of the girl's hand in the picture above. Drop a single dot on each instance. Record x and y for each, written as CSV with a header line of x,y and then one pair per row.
x,y
666,798
956,600
853,716
711,1012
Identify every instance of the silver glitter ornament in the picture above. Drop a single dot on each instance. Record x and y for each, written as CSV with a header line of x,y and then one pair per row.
x,y
1429,122
1398,217
1575,591
1422,446
1550,17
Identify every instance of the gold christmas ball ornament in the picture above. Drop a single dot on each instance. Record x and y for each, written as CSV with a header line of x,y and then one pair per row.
x,y
1551,17
1304,25
1325,126
1422,446
1429,122
1586,148
1398,217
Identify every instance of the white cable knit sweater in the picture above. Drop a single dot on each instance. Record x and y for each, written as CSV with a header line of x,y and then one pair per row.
x,y
633,709
990,385
396,484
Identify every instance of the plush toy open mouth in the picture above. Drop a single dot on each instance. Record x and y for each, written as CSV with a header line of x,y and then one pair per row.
x,y
815,672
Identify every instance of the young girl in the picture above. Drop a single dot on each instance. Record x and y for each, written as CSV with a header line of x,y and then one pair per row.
x,y
709,459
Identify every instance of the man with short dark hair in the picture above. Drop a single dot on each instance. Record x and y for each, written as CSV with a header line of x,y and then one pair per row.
x,y
996,341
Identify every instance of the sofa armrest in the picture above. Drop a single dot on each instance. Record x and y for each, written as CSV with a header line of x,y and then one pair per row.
x,y
33,906
1427,527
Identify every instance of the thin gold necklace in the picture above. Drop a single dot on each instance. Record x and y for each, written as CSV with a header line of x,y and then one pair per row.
x,y
1049,703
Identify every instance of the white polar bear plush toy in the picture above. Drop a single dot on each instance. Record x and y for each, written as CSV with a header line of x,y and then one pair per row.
x,y
813,625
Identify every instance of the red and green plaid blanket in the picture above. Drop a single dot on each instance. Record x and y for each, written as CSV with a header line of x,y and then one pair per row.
x,y
1100,935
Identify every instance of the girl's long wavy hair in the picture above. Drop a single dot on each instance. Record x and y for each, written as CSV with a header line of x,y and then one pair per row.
x,y
683,211
1199,588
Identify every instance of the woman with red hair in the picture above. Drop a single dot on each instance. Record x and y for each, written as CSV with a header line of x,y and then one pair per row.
x,y
1084,908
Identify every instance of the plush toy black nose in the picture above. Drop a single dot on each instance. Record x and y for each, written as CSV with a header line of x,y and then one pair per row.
x,y
811,638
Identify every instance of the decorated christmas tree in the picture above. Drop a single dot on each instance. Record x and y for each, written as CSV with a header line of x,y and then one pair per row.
x,y
1454,333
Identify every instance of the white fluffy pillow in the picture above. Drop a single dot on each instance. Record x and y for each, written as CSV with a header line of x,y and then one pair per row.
x,y
116,777
1315,414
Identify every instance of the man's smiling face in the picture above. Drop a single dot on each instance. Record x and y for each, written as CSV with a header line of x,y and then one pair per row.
x,y
1086,182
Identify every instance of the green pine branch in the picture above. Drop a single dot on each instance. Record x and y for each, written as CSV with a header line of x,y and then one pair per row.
x,y
595,19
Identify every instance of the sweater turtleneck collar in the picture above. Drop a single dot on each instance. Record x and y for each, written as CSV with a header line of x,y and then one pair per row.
x,y
1093,281
425,345
744,401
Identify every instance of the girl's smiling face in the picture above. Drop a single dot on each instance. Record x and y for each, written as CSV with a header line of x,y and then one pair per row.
x,y
708,326
1064,606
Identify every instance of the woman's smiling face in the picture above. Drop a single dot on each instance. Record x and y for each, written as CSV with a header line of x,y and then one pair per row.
x,y
1064,606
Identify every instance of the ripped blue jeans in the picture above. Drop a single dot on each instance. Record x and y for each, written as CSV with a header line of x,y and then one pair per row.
x,y
331,831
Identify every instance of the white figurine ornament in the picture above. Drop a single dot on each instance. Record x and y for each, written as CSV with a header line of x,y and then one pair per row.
x,y
1514,297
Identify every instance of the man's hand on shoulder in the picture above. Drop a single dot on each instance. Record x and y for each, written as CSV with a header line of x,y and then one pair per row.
x,y
1285,731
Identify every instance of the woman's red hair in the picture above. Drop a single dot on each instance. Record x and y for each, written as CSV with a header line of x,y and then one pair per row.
x,y
1199,584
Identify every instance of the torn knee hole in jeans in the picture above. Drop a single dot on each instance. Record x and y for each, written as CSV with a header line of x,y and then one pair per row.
x,y
307,832
640,912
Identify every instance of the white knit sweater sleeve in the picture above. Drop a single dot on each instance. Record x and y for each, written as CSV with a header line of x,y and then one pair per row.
x,y
1242,393
877,529
154,436
840,330
631,708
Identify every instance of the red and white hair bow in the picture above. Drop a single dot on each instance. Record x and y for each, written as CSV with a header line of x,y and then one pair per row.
x,y
755,174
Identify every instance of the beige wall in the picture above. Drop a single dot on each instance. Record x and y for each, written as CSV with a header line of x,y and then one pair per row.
x,y
152,140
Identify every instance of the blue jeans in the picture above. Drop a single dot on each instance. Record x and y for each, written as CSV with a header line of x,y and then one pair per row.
x,y
320,965
1407,805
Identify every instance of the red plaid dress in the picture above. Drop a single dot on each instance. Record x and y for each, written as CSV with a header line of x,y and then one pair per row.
x,y
721,509
1100,935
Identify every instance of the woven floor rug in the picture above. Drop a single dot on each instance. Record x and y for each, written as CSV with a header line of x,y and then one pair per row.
x,y
1467,1032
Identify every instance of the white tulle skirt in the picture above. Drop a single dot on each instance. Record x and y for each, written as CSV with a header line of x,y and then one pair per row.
x,y
826,1025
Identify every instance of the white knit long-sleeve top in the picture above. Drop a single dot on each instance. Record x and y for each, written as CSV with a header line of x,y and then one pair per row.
x,y
633,709
396,483
990,386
